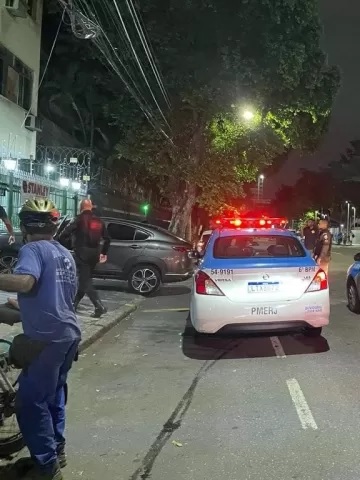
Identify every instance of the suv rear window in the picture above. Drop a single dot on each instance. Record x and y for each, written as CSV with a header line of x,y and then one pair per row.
x,y
261,246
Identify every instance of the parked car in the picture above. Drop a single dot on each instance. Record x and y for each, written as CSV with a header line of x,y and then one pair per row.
x,y
353,285
143,255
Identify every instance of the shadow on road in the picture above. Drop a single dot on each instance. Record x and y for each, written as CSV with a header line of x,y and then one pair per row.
x,y
119,286
169,291
235,345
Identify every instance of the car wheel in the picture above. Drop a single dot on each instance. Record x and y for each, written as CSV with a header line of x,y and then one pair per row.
x,y
144,279
353,297
313,331
8,262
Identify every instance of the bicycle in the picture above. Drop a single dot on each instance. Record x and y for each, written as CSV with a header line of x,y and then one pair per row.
x,y
11,439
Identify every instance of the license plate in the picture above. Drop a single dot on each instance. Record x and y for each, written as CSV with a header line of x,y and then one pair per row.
x,y
263,287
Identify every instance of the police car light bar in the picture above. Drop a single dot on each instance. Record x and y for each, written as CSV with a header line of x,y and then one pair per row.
x,y
264,222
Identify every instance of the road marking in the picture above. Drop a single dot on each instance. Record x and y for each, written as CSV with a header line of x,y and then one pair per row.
x,y
302,408
159,310
275,342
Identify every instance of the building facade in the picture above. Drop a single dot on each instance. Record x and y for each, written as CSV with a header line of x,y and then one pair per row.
x,y
20,42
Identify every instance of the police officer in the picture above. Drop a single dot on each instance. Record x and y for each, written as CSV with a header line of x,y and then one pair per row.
x,y
322,249
310,234
87,231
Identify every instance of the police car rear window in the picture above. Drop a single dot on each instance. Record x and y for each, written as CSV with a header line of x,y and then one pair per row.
x,y
261,246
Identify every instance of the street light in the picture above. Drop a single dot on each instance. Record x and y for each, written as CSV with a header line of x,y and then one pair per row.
x,y
76,186
260,186
354,217
10,164
49,168
347,220
248,115
64,182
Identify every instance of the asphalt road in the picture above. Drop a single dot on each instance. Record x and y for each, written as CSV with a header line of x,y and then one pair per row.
x,y
152,401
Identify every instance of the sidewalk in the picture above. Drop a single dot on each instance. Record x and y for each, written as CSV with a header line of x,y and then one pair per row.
x,y
118,301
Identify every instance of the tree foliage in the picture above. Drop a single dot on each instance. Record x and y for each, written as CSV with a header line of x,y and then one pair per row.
x,y
218,58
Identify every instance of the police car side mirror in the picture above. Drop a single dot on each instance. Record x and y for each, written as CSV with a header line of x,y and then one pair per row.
x,y
357,257
194,255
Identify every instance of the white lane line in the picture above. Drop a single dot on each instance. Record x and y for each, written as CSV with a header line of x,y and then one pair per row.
x,y
276,344
302,408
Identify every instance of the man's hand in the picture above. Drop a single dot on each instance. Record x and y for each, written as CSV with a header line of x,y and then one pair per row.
x,y
103,258
11,239
13,303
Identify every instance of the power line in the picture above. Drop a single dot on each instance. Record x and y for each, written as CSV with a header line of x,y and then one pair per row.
x,y
148,52
47,62
109,54
138,61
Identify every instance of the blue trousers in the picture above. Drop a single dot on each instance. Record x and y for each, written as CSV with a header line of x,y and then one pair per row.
x,y
41,399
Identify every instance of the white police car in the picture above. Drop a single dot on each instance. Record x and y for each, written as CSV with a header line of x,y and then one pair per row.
x,y
256,275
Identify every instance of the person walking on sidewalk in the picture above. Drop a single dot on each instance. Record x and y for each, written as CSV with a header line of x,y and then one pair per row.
x,y
322,249
88,230
45,280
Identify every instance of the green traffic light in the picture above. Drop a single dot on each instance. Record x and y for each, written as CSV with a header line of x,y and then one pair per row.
x,y
146,208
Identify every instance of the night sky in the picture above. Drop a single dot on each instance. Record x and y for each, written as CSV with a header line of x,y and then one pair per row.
x,y
341,19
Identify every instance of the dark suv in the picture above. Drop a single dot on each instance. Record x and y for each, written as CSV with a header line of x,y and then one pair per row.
x,y
144,255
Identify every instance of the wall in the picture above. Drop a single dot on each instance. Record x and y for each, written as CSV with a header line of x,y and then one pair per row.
x,y
22,37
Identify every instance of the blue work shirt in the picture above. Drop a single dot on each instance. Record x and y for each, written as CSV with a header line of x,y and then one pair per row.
x,y
47,312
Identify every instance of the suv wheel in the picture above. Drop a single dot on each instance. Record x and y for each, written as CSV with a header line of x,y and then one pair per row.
x,y
144,279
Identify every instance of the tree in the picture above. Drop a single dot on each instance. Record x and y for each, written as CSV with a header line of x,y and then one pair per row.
x,y
218,58
219,52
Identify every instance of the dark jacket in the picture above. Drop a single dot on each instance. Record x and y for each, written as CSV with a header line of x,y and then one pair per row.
x,y
87,231
310,237
322,250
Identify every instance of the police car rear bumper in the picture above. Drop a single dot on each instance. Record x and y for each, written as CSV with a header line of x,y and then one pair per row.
x,y
209,314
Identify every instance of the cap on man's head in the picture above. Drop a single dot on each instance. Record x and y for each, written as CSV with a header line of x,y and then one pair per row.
x,y
86,204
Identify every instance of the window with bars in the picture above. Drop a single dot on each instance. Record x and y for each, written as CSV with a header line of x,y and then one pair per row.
x,y
16,79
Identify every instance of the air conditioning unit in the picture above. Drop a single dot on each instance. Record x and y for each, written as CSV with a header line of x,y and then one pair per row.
x,y
34,124
17,8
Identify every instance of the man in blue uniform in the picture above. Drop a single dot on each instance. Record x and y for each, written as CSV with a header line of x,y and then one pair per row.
x,y
45,279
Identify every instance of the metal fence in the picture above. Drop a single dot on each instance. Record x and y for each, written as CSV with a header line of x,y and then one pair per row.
x,y
11,194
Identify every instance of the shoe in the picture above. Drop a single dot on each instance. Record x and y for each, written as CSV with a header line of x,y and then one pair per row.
x,y
62,457
100,309
37,473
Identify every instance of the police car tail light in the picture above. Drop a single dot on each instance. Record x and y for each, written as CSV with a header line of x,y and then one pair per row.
x,y
205,286
319,282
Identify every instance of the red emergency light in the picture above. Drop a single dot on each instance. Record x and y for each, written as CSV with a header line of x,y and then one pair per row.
x,y
246,222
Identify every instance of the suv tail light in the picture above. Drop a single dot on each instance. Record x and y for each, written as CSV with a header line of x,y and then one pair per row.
x,y
320,282
205,286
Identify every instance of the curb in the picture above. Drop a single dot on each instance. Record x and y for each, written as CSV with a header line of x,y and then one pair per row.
x,y
114,319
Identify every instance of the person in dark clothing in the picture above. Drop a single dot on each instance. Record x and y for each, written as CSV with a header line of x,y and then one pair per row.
x,y
310,234
322,249
87,231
